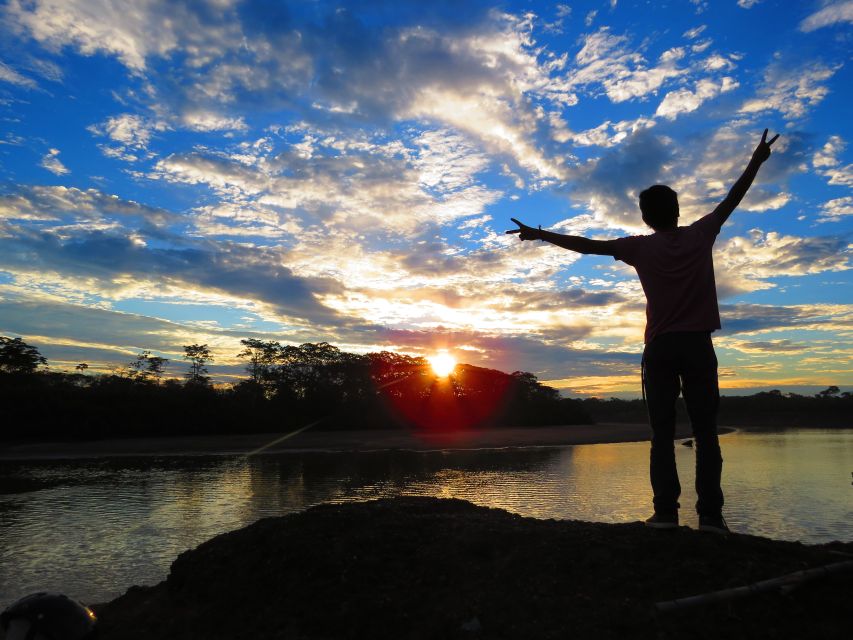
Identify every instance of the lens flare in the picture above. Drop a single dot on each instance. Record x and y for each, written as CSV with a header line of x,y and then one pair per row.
x,y
442,364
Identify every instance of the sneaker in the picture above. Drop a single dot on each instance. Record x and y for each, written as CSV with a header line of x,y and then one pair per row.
x,y
663,521
714,524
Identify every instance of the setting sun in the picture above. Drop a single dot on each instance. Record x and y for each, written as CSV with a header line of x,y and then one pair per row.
x,y
442,364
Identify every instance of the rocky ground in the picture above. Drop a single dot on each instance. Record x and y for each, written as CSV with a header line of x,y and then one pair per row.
x,y
430,568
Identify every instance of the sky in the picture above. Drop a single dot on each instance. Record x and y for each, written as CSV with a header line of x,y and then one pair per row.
x,y
203,171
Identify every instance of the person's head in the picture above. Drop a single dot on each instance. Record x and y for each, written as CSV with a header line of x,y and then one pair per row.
x,y
48,616
659,205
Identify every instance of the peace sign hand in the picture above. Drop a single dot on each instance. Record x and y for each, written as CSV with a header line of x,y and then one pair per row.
x,y
524,232
762,151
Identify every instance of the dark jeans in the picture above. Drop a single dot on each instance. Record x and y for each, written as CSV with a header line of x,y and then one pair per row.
x,y
686,362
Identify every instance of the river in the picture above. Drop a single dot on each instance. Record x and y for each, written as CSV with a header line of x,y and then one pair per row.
x,y
97,526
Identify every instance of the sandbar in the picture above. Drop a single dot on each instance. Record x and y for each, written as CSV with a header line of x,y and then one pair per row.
x,y
332,441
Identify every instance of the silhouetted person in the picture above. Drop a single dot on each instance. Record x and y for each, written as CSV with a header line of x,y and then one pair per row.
x,y
677,273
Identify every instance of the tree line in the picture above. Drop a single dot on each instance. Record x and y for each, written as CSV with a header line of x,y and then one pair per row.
x,y
286,386
828,408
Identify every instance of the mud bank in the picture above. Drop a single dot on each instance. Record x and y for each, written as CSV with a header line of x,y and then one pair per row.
x,y
431,568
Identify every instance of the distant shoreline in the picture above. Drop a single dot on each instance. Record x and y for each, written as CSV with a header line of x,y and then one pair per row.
x,y
342,441
334,441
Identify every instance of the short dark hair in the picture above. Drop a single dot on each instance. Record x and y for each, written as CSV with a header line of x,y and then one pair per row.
x,y
659,205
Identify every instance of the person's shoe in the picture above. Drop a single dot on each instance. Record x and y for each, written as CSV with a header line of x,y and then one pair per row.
x,y
714,524
663,521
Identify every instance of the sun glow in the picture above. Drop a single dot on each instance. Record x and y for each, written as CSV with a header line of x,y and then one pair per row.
x,y
442,364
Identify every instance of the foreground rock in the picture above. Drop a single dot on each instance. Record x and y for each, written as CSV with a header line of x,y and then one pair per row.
x,y
430,568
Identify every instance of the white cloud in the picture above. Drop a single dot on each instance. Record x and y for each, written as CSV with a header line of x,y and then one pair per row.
x,y
694,33
447,161
517,180
828,164
343,182
827,156
95,26
131,133
128,129
55,202
52,163
606,59
701,46
117,263
475,223
8,74
829,15
747,4
491,80
493,104
215,169
685,101
791,90
609,134
563,11
499,125
747,263
841,175
759,200
835,209
775,346
717,62
202,38
13,140
243,220
131,30
46,69
209,121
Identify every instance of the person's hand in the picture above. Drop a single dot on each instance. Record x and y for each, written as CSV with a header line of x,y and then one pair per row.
x,y
526,233
762,151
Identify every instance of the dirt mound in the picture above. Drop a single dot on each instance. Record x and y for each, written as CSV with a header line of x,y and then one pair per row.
x,y
430,568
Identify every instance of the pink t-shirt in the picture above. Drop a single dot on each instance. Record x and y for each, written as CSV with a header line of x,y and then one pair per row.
x,y
677,274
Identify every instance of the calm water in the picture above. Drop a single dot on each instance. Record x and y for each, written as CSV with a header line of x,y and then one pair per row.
x,y
100,526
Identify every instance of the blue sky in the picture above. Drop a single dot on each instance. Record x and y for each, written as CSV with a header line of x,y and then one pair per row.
x,y
201,172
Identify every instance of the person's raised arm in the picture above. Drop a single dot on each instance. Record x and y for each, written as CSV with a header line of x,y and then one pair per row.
x,y
739,189
572,243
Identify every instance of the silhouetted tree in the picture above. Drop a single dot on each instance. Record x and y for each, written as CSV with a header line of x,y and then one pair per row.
x,y
147,368
262,356
16,356
829,392
81,367
155,367
388,368
199,356
314,372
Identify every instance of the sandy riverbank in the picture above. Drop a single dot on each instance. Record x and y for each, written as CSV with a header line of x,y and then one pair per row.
x,y
310,440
